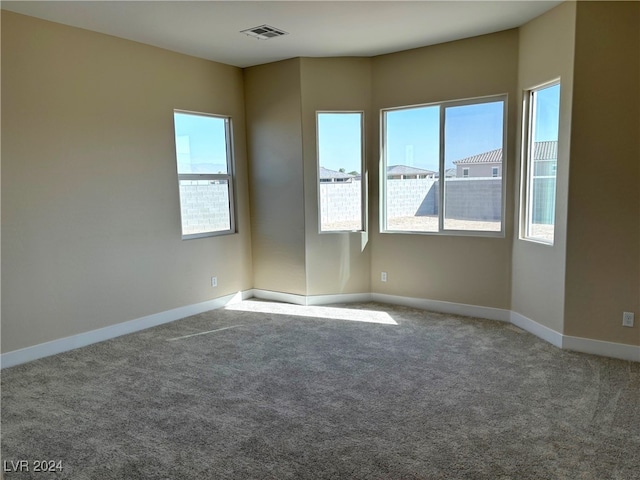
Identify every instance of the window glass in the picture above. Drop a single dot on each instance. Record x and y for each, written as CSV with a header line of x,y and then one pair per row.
x,y
541,160
460,142
340,167
473,138
203,159
411,150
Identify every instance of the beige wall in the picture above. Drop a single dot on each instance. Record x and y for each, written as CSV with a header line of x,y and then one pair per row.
x,y
273,99
335,262
469,270
545,54
602,275
90,207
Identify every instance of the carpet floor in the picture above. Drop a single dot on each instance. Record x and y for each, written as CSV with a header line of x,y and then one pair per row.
x,y
364,391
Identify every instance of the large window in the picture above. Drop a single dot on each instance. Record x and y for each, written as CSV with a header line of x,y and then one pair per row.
x,y
205,174
461,142
540,158
341,186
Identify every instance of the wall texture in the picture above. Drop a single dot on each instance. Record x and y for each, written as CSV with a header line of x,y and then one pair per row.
x,y
272,94
335,262
603,236
90,205
545,54
469,270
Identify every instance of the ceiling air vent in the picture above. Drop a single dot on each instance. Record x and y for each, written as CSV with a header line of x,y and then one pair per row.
x,y
264,32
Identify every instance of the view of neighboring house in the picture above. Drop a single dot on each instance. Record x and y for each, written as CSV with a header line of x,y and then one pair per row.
x,y
545,159
489,164
333,176
405,172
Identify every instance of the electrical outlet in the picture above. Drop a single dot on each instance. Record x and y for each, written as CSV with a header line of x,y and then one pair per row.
x,y
627,319
383,276
214,281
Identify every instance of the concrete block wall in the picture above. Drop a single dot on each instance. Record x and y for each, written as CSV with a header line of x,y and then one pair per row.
x,y
204,206
412,197
340,202
473,198
465,199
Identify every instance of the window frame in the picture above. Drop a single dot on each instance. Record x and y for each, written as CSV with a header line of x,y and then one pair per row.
x,y
527,166
503,97
363,177
229,177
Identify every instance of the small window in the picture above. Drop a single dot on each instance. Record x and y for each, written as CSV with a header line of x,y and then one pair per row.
x,y
341,186
495,172
540,157
205,174
436,167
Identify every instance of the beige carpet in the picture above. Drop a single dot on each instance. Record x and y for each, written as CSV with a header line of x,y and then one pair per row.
x,y
270,391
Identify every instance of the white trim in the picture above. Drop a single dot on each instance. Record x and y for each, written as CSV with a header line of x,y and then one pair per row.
x,y
311,299
60,345
338,298
585,345
539,330
477,311
600,347
279,296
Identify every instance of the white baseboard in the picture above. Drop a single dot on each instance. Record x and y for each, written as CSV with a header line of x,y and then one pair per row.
x,y
539,330
488,313
585,345
60,345
309,300
577,344
279,296
600,347
338,298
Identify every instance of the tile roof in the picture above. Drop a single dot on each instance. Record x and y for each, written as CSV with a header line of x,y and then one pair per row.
x,y
542,151
325,173
406,170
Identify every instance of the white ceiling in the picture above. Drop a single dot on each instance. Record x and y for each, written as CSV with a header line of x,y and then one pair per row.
x,y
210,29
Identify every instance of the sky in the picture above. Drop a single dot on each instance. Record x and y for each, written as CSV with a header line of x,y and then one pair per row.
x,y
412,135
547,106
200,143
340,141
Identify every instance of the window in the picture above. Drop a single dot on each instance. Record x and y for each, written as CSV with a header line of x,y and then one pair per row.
x,y
205,174
341,185
441,167
540,158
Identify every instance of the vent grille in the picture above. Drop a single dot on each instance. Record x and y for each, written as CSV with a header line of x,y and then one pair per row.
x,y
264,32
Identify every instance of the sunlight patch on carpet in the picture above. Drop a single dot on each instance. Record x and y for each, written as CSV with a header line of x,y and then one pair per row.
x,y
203,333
333,313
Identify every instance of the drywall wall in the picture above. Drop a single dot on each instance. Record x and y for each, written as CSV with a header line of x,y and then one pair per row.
x,y
463,269
545,53
273,100
90,206
335,262
603,237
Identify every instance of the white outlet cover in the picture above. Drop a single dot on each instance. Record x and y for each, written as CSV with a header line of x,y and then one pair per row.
x,y
627,319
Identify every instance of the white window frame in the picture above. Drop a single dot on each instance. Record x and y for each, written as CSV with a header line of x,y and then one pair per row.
x,y
363,177
442,170
465,172
495,172
228,177
527,166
